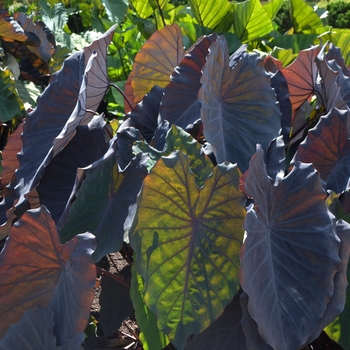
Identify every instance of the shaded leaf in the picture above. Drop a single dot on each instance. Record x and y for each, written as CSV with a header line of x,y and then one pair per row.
x,y
35,332
225,333
180,104
59,277
233,123
187,235
156,61
151,337
250,328
145,114
87,146
115,9
283,250
250,20
327,146
115,304
102,201
209,13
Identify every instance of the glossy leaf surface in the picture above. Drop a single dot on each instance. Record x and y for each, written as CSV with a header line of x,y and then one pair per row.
x,y
59,277
283,249
187,235
327,146
233,123
156,61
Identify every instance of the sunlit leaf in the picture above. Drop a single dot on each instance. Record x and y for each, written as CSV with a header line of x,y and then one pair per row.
x,y
304,18
10,30
272,7
156,61
209,13
180,103
151,337
327,146
238,105
35,332
187,242
250,20
301,77
146,8
282,251
59,277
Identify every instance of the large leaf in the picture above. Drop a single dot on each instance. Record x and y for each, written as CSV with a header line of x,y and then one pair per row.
x,y
70,99
10,30
225,333
187,242
59,277
250,20
86,147
35,332
301,77
151,337
180,103
239,106
327,146
101,199
146,8
209,13
282,251
115,9
304,18
156,61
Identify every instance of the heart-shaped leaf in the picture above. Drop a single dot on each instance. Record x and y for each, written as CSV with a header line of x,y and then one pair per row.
x,y
283,249
59,277
156,61
180,103
191,237
327,146
233,123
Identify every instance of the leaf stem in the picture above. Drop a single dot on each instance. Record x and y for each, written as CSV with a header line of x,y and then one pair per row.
x,y
123,94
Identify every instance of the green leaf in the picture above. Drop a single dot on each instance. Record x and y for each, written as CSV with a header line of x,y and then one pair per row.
x,y
187,242
297,42
11,105
209,13
272,7
115,9
305,19
250,20
151,337
286,56
341,39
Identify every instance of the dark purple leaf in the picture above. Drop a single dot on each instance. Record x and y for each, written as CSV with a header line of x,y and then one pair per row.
x,y
180,103
282,251
239,106
327,146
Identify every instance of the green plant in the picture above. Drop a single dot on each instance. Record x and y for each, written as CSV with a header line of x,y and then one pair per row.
x,y
220,179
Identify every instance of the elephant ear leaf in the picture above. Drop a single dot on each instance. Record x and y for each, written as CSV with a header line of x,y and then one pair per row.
x,y
283,249
233,123
331,159
185,233
58,277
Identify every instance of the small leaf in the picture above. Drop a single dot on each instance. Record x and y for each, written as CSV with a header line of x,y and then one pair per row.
x,y
283,249
184,235
59,277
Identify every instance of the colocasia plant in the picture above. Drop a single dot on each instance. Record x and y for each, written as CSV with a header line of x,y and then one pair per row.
x,y
228,179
